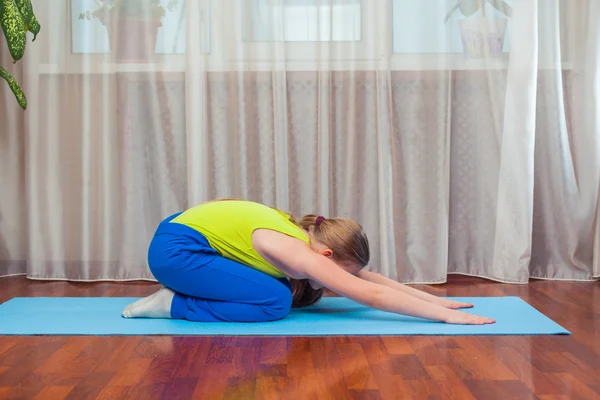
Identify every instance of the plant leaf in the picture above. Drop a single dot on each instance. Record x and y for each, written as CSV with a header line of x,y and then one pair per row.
x,y
501,6
469,7
13,27
14,86
31,23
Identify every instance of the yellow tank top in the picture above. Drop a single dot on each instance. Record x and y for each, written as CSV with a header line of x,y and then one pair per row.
x,y
228,226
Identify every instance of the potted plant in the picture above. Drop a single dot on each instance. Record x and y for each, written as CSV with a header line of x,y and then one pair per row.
x,y
17,18
482,36
132,25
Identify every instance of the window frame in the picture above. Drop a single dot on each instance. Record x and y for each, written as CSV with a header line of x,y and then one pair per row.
x,y
245,20
457,61
372,52
304,55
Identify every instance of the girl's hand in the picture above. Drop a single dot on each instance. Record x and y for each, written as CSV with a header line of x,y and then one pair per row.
x,y
462,318
454,305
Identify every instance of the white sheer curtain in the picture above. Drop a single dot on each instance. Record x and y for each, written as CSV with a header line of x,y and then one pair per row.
x,y
486,165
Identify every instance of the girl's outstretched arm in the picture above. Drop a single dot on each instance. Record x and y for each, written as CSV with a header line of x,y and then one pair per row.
x,y
299,261
382,280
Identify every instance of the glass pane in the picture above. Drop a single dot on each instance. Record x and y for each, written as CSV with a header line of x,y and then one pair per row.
x,y
302,20
419,28
89,36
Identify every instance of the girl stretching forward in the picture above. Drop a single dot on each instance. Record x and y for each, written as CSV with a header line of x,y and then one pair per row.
x,y
240,261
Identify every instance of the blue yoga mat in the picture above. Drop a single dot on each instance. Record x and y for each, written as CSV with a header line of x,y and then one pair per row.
x,y
330,317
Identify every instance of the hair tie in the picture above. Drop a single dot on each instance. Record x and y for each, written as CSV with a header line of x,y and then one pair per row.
x,y
320,219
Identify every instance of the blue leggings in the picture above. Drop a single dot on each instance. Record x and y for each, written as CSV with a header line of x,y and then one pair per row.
x,y
210,287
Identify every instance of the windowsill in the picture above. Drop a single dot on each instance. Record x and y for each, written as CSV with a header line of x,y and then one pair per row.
x,y
396,64
458,62
110,68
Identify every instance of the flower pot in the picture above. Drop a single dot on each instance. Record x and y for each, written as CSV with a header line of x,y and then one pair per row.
x,y
483,37
132,39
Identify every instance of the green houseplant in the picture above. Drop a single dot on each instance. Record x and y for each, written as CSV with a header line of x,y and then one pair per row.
x,y
481,35
17,18
132,25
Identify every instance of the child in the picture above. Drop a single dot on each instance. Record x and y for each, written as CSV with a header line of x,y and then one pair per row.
x,y
240,261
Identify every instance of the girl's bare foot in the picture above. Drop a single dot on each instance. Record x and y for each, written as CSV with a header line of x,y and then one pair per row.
x,y
157,305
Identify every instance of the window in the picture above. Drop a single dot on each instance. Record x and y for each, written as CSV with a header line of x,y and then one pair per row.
x,y
91,37
302,20
418,27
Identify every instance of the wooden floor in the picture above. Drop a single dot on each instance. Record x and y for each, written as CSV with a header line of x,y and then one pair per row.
x,y
462,368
